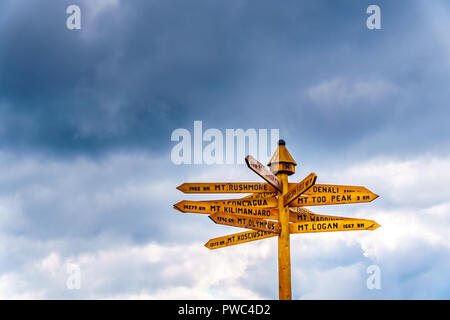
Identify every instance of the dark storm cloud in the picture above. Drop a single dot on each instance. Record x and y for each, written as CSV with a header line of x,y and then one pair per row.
x,y
140,69
128,75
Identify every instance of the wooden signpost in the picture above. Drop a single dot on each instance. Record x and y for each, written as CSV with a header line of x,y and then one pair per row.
x,y
275,208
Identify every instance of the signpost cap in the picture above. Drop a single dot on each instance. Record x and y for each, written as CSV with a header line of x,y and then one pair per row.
x,y
282,160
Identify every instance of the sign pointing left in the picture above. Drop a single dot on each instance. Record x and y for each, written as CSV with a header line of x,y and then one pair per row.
x,y
213,207
245,222
226,187
238,238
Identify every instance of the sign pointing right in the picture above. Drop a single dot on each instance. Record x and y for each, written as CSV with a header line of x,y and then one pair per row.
x,y
331,198
300,214
340,225
320,189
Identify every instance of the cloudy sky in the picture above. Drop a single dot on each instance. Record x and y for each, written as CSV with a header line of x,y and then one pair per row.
x,y
86,117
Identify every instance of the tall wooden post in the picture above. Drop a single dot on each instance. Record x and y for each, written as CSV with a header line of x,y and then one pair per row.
x,y
282,164
284,251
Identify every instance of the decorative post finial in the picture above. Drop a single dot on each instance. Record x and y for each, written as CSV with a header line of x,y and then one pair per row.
x,y
282,160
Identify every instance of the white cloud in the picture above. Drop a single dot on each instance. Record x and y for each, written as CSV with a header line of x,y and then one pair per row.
x,y
166,272
82,194
414,182
13,287
50,264
411,247
341,282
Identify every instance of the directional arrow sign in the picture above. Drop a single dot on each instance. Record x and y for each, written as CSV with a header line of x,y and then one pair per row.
x,y
238,238
245,222
319,189
226,187
300,214
327,188
328,226
263,172
209,207
300,210
260,195
339,198
300,188
264,202
248,202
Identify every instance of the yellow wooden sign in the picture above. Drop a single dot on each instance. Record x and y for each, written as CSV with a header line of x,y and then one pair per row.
x,y
300,188
207,207
300,214
263,172
238,238
300,210
260,195
263,202
265,190
226,187
245,222
329,226
328,199
247,202
335,189
321,189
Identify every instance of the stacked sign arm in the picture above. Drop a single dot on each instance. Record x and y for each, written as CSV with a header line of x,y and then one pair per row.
x,y
260,206
251,212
